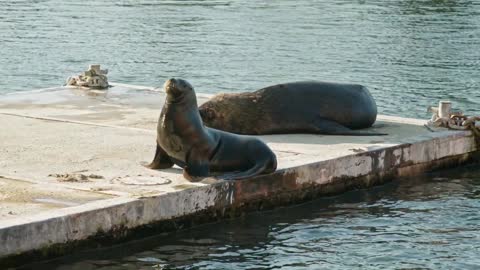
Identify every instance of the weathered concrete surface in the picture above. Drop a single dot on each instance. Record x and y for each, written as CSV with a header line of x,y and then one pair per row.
x,y
71,168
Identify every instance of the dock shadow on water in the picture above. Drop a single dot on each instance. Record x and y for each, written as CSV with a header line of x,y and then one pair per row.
x,y
428,222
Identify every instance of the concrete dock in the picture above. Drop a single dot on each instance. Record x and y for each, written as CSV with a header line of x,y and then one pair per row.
x,y
72,174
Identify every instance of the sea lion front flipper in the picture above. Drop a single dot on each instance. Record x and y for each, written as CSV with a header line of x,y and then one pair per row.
x,y
197,165
161,160
329,127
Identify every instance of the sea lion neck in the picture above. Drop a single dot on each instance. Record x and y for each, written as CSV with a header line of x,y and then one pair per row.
x,y
184,98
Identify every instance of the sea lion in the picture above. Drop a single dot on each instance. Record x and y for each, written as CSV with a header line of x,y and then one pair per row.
x,y
182,139
297,107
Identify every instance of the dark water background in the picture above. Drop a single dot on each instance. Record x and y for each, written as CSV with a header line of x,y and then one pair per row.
x,y
410,53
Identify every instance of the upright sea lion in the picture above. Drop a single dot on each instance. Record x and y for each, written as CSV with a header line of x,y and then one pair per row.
x,y
182,139
298,107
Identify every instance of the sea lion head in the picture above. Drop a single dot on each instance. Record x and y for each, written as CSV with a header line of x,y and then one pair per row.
x,y
178,90
216,112
209,115
235,112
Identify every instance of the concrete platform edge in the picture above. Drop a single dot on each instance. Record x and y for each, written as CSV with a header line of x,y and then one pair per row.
x,y
107,221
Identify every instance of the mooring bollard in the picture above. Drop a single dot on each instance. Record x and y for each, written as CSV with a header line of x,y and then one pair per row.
x,y
444,109
94,78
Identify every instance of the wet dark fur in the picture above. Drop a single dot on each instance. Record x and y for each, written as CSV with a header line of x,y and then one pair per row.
x,y
300,107
182,139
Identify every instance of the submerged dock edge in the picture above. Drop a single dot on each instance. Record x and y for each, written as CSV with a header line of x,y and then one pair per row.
x,y
100,223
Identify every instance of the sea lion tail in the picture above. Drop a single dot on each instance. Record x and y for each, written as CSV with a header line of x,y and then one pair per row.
x,y
266,166
254,171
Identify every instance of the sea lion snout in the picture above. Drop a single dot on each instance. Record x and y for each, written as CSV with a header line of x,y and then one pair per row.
x,y
169,86
177,87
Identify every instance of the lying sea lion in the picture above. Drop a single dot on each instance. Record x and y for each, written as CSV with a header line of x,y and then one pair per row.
x,y
298,107
182,139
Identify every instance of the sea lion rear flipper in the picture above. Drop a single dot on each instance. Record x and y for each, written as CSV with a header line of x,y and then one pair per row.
x,y
328,127
161,160
265,162
259,168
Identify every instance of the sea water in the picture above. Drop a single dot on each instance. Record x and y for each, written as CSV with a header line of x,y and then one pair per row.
x,y
409,53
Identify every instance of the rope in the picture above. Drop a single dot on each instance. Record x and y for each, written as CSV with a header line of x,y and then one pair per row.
x,y
458,121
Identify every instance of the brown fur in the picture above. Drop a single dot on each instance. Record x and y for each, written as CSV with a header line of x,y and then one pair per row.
x,y
298,107
236,112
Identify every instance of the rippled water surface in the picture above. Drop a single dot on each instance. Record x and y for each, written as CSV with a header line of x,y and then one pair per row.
x,y
410,53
